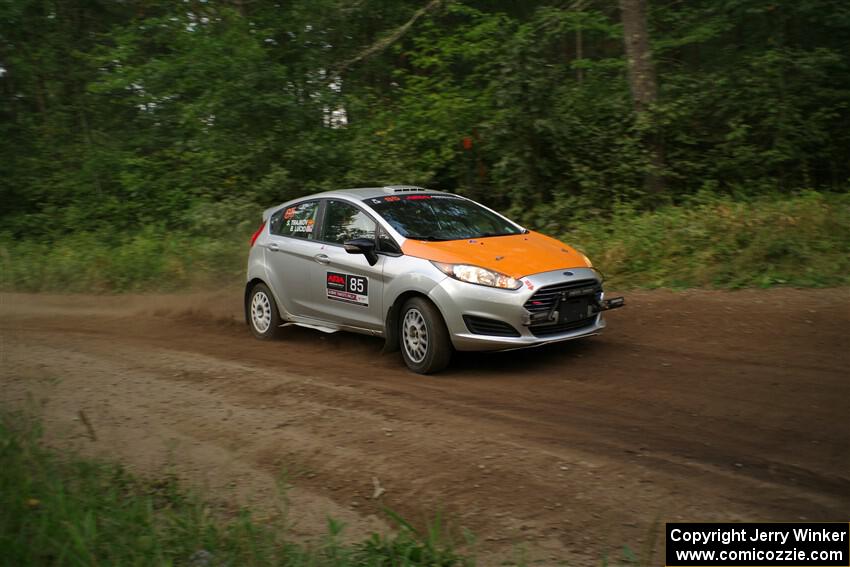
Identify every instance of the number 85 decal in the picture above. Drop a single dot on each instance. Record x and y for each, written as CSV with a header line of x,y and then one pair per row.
x,y
356,284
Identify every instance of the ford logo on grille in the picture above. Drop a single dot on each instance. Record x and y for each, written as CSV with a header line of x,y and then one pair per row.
x,y
568,273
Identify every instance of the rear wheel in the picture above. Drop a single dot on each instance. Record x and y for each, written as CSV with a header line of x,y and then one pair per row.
x,y
263,316
425,343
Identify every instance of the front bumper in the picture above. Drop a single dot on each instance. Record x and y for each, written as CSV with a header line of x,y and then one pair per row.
x,y
457,300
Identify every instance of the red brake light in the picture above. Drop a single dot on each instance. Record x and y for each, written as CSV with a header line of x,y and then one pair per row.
x,y
257,234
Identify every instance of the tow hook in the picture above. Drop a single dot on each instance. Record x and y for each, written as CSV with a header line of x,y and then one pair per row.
x,y
613,303
534,318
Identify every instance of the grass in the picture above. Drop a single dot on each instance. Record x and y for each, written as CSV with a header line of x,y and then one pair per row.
x,y
801,240
149,260
58,509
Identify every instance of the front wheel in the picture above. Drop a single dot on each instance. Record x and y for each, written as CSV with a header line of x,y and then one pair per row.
x,y
263,316
425,343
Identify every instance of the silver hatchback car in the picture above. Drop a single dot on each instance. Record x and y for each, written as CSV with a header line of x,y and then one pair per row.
x,y
431,272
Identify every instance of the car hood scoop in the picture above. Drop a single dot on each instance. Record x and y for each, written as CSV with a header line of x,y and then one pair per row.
x,y
516,255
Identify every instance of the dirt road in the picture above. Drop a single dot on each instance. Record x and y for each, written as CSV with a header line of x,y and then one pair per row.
x,y
697,406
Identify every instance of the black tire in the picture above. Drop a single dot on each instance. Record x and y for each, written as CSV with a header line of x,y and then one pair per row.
x,y
434,353
262,311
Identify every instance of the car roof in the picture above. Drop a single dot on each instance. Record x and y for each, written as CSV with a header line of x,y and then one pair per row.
x,y
373,192
357,193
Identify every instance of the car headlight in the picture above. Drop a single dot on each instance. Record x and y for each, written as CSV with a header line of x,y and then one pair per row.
x,y
477,275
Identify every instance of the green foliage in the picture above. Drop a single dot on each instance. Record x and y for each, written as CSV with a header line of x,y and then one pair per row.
x,y
410,547
152,259
64,510
415,132
716,241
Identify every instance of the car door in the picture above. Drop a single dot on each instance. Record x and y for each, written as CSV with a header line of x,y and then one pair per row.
x,y
290,252
346,288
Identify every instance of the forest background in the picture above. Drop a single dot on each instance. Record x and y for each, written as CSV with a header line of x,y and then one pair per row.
x,y
698,143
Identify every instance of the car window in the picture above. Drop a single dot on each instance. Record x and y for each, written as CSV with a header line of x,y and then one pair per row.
x,y
344,221
440,217
296,221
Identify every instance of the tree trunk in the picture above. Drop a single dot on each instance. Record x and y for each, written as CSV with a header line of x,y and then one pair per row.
x,y
638,53
642,84
579,44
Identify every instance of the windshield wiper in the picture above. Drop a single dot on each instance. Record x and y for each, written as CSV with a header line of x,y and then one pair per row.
x,y
435,238
430,238
489,234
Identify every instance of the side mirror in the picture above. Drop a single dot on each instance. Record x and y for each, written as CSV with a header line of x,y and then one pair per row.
x,y
363,246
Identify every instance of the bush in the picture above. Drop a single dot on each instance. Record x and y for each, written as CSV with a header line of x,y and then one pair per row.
x,y
150,260
718,242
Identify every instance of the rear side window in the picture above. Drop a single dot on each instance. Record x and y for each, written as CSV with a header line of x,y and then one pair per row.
x,y
344,221
296,221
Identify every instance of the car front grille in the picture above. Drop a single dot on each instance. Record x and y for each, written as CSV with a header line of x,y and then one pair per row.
x,y
545,297
549,296
492,327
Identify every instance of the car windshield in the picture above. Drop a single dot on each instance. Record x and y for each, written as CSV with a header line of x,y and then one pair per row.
x,y
440,217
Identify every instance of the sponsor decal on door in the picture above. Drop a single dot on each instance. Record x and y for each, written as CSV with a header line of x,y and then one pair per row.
x,y
347,288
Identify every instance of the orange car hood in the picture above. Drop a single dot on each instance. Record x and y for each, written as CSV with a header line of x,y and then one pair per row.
x,y
517,255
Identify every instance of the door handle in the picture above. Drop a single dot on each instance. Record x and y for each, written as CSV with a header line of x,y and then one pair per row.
x,y
322,258
274,247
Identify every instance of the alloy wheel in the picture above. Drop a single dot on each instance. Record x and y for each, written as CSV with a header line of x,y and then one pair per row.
x,y
415,335
261,312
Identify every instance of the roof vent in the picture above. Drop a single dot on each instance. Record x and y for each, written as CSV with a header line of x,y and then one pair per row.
x,y
403,189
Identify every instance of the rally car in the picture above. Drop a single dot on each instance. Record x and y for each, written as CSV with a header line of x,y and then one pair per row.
x,y
430,271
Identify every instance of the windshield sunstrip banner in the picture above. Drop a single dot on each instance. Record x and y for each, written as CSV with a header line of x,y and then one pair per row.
x,y
415,197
